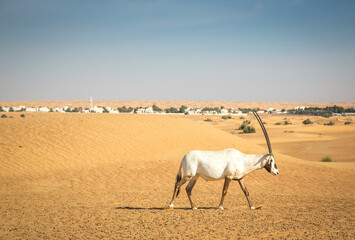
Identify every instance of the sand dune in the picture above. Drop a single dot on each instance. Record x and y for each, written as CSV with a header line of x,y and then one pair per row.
x,y
110,176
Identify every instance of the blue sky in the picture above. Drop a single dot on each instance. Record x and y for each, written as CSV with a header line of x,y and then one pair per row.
x,y
232,50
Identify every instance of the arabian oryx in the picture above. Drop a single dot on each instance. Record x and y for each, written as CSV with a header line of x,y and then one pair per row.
x,y
228,164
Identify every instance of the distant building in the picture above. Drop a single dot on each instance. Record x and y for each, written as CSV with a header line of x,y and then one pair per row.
x,y
97,109
300,108
224,111
19,109
113,110
44,109
31,109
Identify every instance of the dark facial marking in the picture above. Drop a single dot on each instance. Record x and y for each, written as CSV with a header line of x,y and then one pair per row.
x,y
268,167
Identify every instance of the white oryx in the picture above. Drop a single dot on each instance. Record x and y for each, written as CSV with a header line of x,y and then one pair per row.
x,y
228,164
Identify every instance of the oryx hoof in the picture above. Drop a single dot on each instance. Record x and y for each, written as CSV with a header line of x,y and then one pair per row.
x,y
171,206
221,208
194,208
252,208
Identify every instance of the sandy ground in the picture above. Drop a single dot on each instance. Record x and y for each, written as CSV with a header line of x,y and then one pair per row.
x,y
92,176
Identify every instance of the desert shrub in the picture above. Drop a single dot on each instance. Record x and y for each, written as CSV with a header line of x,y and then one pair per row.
x,y
4,116
11,109
288,131
22,115
246,121
249,129
331,123
208,120
156,108
347,123
182,109
287,123
326,159
233,132
278,123
241,117
227,117
307,121
327,115
246,128
124,109
244,125
171,110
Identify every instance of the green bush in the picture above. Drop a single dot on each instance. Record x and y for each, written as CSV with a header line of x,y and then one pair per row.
x,y
249,129
208,120
287,123
171,110
326,159
277,123
327,115
347,123
244,125
4,116
241,117
22,115
331,123
156,108
307,121
227,117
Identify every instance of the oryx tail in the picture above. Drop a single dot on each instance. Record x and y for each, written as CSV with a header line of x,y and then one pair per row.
x,y
178,178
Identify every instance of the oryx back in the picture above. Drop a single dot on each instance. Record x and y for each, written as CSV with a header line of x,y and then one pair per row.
x,y
211,165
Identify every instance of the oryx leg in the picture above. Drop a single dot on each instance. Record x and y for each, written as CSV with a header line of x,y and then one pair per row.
x,y
227,181
245,190
177,189
189,188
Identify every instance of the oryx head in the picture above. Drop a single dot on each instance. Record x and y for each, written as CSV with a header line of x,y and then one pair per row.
x,y
270,165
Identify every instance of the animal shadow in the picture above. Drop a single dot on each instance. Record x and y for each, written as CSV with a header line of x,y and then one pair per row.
x,y
161,208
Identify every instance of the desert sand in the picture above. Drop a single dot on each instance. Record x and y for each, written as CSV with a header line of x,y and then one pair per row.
x,y
92,176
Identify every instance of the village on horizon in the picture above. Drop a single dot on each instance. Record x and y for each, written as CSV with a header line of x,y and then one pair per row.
x,y
334,111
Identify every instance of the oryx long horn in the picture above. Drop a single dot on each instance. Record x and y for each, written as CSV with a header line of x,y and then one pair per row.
x,y
264,131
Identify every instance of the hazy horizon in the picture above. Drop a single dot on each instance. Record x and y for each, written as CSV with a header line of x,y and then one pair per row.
x,y
238,51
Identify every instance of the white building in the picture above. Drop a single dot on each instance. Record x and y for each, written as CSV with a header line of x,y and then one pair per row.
x,y
44,109
31,109
113,110
19,109
148,110
58,109
300,108
97,109
224,111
